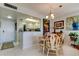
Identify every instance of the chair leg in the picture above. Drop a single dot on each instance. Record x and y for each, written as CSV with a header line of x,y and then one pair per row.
x,y
57,53
43,50
48,52
61,51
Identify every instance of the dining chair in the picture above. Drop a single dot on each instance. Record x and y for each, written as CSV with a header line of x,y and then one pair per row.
x,y
42,44
53,45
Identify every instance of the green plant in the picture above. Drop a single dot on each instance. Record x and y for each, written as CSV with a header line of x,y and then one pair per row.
x,y
73,34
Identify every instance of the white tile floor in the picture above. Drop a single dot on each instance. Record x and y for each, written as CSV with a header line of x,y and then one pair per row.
x,y
70,51
19,52
34,51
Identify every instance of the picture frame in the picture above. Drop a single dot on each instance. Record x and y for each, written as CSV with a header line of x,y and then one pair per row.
x,y
46,26
59,24
72,23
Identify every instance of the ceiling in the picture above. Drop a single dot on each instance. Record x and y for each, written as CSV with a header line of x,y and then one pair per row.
x,y
5,13
43,8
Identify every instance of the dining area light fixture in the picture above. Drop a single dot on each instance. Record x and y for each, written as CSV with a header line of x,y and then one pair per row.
x,y
50,16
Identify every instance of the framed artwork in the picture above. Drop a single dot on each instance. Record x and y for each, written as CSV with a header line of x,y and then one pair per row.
x,y
46,26
59,24
72,23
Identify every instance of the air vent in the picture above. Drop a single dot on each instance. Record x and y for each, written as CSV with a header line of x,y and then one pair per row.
x,y
10,6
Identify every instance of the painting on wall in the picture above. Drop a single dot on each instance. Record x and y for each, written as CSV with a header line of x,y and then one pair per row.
x,y
72,23
59,24
46,26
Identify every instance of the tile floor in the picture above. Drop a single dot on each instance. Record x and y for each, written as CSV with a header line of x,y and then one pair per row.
x,y
19,52
34,51
70,51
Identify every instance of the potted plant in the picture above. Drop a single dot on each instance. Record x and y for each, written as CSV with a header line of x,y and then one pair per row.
x,y
73,36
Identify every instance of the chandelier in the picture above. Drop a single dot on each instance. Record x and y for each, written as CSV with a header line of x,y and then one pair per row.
x,y
50,16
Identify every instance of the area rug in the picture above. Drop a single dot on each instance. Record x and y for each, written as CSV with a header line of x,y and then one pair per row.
x,y
7,45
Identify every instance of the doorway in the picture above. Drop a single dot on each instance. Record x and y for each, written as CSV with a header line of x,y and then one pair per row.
x,y
7,28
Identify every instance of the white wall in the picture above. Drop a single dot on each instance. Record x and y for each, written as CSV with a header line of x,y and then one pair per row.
x,y
31,38
26,11
8,27
27,40
66,32
0,30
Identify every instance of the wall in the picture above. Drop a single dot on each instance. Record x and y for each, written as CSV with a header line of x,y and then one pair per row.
x,y
26,11
27,38
8,27
0,32
66,32
7,31
25,35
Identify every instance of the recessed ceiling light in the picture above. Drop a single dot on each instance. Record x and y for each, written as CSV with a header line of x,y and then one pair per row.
x,y
60,6
9,17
